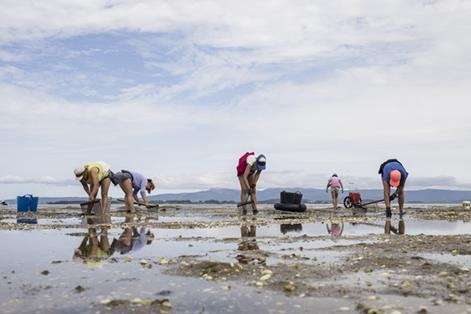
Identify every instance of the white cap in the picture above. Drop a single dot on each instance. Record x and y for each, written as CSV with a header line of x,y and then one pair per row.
x,y
79,172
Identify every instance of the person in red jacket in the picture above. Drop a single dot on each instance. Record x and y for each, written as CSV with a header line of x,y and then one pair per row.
x,y
249,169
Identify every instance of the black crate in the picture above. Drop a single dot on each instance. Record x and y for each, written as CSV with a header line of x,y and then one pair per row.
x,y
291,197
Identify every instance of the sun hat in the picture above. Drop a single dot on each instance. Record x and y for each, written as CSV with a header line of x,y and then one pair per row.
x,y
395,178
79,172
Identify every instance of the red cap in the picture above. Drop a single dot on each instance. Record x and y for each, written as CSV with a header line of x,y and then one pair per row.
x,y
395,178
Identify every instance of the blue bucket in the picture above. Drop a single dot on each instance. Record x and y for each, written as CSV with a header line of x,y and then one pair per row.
x,y
27,203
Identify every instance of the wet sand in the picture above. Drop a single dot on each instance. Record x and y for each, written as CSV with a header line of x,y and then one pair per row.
x,y
212,259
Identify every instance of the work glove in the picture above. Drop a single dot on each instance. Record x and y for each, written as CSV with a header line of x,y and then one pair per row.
x,y
327,190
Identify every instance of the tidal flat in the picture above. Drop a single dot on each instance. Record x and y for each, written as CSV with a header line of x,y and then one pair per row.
x,y
213,259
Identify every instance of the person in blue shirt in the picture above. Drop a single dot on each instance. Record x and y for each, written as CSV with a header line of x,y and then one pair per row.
x,y
393,174
131,183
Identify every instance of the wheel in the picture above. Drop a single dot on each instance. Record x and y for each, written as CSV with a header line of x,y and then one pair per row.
x,y
347,202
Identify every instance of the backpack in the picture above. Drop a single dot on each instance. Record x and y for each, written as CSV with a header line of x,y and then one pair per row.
x,y
243,163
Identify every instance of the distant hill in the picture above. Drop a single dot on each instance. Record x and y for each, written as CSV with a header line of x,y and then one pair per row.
x,y
313,195
423,196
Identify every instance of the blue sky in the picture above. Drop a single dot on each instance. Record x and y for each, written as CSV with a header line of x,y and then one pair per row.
x,y
179,90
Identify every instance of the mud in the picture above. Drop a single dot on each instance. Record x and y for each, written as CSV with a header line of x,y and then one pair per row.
x,y
218,261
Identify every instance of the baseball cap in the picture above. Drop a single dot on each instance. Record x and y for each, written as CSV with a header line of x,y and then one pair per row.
x,y
79,172
261,162
395,178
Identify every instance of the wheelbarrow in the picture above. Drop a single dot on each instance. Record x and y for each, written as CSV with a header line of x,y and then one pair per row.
x,y
353,200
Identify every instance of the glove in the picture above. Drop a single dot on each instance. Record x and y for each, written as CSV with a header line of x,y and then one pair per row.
x,y
327,190
342,191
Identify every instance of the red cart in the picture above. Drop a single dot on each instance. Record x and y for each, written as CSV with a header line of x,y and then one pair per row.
x,y
353,200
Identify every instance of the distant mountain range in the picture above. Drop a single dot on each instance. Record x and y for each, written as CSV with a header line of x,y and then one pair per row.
x,y
316,195
273,194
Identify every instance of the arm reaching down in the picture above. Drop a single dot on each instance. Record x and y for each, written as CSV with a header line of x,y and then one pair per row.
x,y
85,187
95,184
145,199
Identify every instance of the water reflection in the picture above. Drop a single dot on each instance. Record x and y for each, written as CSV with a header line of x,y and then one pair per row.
x,y
285,228
26,218
389,227
132,239
248,240
96,220
335,228
30,221
95,245
248,235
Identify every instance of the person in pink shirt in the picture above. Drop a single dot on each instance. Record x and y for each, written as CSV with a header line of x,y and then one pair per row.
x,y
335,184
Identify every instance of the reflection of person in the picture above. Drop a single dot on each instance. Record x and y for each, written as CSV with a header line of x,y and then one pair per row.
x,y
248,236
393,174
388,227
335,185
92,247
131,239
131,183
249,169
335,229
94,176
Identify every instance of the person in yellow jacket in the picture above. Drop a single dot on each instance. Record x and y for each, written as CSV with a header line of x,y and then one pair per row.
x,y
93,176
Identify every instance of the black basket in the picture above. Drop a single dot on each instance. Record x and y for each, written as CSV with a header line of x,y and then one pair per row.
x,y
291,197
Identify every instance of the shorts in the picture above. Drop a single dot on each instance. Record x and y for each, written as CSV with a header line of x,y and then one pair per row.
x,y
335,189
119,177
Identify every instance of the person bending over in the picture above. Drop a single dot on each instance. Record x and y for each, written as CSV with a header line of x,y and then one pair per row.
x,y
393,174
249,169
131,183
94,176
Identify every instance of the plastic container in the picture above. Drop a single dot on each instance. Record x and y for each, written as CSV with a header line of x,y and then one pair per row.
x,y
26,203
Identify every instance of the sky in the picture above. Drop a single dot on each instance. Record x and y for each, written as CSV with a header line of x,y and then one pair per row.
x,y
179,90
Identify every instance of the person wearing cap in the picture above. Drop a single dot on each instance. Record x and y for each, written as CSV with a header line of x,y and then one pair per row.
x,y
394,175
335,184
131,183
94,176
249,169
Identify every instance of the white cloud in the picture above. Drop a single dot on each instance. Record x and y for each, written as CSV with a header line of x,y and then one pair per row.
x,y
333,87
40,180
